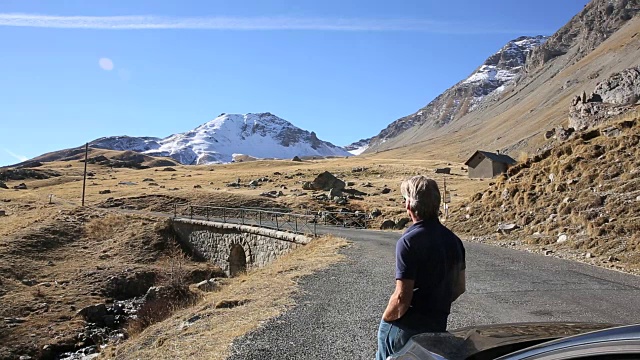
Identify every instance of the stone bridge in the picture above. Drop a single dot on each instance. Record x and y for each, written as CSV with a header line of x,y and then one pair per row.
x,y
234,247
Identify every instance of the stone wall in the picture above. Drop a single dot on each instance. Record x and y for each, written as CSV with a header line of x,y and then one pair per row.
x,y
214,241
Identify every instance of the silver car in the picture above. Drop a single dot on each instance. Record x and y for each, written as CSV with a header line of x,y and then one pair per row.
x,y
527,341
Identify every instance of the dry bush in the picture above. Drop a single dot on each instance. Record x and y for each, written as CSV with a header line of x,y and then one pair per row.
x,y
107,227
175,272
523,156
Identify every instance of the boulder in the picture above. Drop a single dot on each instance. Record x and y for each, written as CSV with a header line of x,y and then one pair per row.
x,y
21,186
506,228
254,183
387,224
3,213
307,185
445,170
375,213
327,181
402,223
206,285
621,88
93,313
386,191
549,134
3,185
335,193
102,192
168,169
296,158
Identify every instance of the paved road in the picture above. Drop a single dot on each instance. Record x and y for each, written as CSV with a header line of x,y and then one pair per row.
x,y
338,310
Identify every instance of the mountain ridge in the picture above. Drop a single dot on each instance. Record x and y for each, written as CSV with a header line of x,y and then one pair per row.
x,y
600,40
260,135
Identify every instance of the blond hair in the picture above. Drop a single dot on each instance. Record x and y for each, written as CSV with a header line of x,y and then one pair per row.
x,y
423,195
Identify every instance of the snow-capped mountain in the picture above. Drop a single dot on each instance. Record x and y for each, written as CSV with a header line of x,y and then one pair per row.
x,y
262,135
499,71
358,147
123,143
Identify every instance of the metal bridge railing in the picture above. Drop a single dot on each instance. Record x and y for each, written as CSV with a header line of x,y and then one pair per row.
x,y
284,221
278,219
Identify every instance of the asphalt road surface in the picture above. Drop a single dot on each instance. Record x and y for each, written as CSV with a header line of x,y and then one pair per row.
x,y
338,310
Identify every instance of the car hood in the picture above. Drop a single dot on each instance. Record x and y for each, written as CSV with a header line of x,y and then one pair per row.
x,y
466,342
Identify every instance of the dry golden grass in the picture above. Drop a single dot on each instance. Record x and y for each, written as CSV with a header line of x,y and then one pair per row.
x,y
260,295
207,185
586,188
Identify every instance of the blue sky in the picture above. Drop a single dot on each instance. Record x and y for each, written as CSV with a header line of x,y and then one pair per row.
x,y
344,69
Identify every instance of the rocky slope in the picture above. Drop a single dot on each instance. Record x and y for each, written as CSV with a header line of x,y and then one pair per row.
x,y
490,79
581,196
599,41
262,135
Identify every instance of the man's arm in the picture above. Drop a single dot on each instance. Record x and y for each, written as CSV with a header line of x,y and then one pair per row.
x,y
460,285
400,300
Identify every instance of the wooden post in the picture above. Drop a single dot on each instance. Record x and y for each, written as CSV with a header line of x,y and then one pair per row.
x,y
84,180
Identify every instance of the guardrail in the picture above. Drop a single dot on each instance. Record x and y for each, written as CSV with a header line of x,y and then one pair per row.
x,y
277,219
284,221
356,220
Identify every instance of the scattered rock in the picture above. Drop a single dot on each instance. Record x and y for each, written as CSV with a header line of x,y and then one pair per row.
x,y
350,183
335,193
326,181
148,180
254,183
588,255
402,223
206,285
277,173
375,213
506,228
21,186
562,238
127,183
386,191
358,169
296,158
549,134
197,186
387,224
340,200
3,185
102,192
3,213
93,313
611,132
168,169
445,170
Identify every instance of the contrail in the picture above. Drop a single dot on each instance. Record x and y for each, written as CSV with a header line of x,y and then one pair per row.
x,y
151,22
19,157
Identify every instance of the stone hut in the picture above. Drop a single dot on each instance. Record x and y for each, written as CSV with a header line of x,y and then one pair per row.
x,y
484,164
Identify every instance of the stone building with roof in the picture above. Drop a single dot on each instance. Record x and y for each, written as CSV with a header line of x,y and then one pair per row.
x,y
486,165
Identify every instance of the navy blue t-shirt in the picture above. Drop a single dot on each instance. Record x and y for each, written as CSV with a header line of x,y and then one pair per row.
x,y
432,256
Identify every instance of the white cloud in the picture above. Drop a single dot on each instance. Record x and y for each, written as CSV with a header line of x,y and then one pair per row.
x,y
105,64
150,22
19,157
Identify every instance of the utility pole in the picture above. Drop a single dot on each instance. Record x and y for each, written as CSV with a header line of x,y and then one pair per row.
x,y
84,181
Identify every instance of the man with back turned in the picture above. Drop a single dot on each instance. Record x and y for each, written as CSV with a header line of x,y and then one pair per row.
x,y
430,271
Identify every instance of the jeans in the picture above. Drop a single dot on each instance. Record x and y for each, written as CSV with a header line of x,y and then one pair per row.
x,y
391,339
